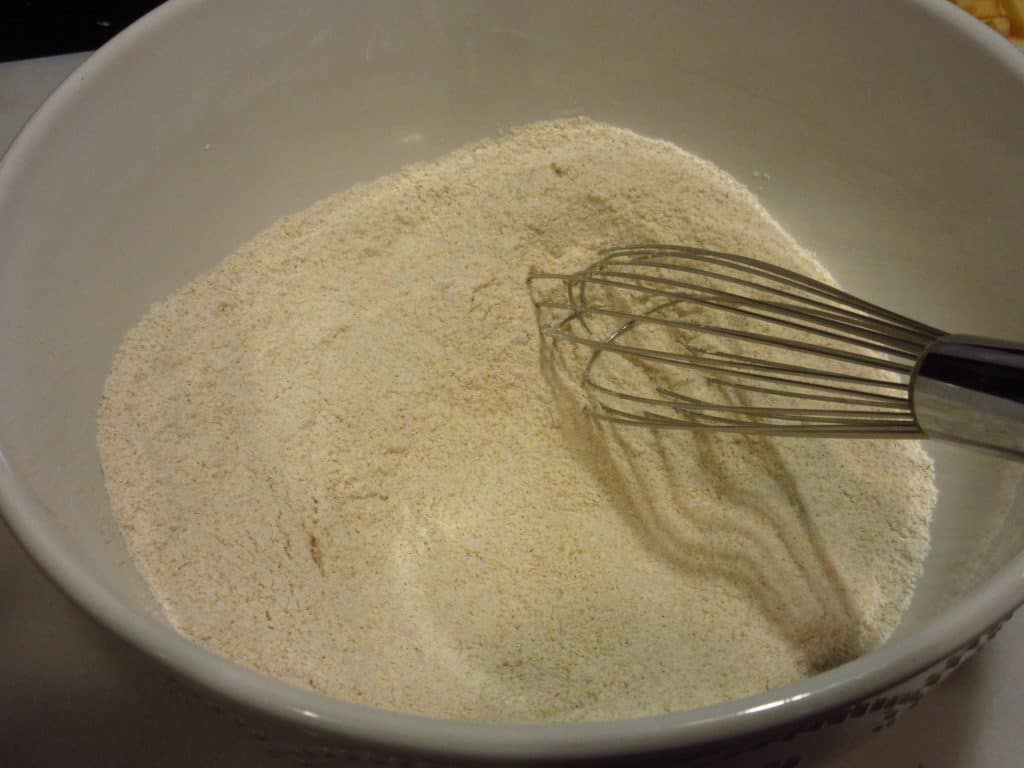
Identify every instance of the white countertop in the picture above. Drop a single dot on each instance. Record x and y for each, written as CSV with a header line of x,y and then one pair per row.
x,y
71,694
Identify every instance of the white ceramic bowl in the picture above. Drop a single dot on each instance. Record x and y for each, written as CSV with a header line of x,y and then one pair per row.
x,y
887,136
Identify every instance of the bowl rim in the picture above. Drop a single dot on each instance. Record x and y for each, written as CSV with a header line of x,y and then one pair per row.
x,y
893,663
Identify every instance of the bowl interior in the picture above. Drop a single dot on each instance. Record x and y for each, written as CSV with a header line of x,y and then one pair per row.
x,y
194,130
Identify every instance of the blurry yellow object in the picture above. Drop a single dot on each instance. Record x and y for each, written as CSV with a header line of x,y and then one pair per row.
x,y
1004,16
1015,11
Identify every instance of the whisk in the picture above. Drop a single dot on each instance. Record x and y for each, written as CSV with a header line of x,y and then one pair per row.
x,y
687,338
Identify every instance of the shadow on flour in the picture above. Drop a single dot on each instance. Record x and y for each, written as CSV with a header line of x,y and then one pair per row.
x,y
768,546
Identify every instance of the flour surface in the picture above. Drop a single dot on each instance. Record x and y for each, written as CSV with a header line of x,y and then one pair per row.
x,y
339,458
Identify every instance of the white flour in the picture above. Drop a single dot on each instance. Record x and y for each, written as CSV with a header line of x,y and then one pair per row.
x,y
336,459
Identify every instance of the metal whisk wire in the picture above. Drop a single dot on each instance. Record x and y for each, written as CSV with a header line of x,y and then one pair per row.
x,y
794,356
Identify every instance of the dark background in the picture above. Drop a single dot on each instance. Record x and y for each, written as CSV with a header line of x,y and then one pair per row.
x,y
31,28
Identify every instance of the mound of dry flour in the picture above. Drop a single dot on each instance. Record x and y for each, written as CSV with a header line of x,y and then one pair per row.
x,y
338,459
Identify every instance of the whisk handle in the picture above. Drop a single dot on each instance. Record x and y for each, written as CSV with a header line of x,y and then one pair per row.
x,y
970,389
